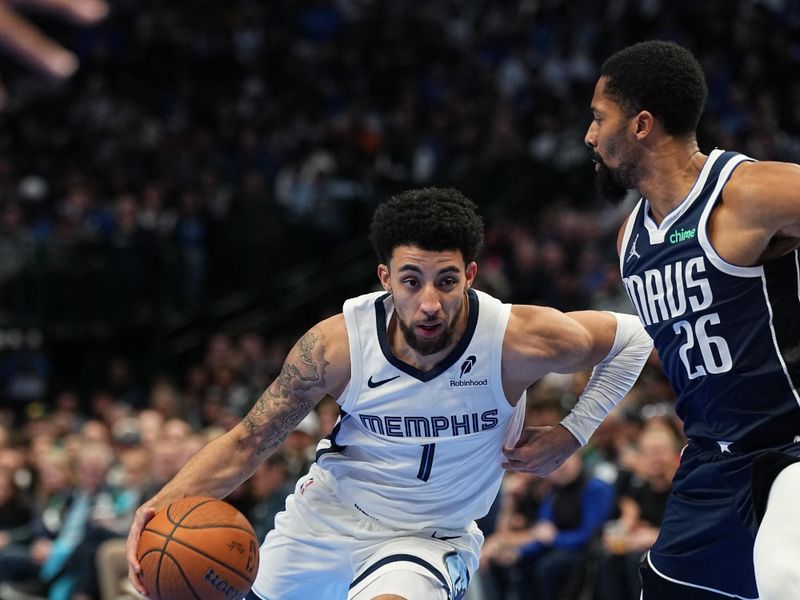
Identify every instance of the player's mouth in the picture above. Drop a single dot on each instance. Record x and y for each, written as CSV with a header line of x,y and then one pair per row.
x,y
429,330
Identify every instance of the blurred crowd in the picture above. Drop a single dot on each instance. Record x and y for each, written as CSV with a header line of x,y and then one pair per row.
x,y
207,149
205,135
72,472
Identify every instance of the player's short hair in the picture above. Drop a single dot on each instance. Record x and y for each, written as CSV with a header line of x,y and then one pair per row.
x,y
430,218
662,78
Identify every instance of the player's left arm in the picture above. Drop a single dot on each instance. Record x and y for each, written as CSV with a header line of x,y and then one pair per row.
x,y
541,341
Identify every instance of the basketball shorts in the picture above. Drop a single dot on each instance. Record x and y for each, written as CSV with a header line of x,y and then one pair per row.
x,y
321,548
706,538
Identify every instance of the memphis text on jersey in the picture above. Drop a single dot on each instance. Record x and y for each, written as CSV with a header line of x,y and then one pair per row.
x,y
437,426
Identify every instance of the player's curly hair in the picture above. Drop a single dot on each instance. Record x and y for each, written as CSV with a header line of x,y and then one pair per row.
x,y
662,78
430,218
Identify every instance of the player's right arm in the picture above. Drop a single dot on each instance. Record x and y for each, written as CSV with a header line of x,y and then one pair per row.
x,y
318,365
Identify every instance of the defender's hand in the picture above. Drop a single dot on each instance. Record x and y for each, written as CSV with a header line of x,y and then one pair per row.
x,y
540,450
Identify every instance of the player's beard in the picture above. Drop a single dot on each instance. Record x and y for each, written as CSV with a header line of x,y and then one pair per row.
x,y
613,183
427,347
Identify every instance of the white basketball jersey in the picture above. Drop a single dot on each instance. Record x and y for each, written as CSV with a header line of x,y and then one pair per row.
x,y
417,449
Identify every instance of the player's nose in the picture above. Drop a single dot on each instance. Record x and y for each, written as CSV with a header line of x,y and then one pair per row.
x,y
429,300
590,139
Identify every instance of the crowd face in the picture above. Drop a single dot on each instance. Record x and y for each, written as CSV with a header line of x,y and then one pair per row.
x,y
92,467
55,473
6,486
658,455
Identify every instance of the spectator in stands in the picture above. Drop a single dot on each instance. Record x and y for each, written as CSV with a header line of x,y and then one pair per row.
x,y
255,368
299,447
67,414
20,563
268,489
545,556
54,482
328,412
166,459
68,568
519,502
15,515
151,425
165,399
641,507
134,478
229,391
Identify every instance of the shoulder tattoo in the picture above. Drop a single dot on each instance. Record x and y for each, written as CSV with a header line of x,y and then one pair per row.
x,y
291,396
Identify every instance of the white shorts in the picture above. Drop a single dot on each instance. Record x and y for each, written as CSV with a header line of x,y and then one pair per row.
x,y
322,549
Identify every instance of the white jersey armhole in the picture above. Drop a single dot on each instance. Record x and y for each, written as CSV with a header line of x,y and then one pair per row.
x,y
500,326
702,226
516,414
350,394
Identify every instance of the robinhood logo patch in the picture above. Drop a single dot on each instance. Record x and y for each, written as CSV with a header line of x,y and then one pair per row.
x,y
466,367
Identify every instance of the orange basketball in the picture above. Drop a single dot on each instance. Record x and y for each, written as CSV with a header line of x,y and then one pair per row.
x,y
198,548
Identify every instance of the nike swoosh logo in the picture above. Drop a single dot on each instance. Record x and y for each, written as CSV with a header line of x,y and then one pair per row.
x,y
374,384
444,537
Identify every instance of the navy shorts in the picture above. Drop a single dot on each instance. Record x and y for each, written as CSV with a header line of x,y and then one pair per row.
x,y
707,535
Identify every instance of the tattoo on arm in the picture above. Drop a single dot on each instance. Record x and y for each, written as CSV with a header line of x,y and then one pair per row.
x,y
291,396
306,372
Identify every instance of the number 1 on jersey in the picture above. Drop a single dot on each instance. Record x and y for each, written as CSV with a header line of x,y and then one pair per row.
x,y
426,462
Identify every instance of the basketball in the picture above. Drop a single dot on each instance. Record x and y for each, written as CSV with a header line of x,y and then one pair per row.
x,y
198,547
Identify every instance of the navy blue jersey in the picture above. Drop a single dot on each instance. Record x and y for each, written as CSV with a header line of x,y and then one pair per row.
x,y
728,336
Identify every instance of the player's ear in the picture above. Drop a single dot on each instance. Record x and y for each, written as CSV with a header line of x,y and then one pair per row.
x,y
470,272
384,277
644,122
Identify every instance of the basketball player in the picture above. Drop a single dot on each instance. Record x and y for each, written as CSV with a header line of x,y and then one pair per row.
x,y
709,258
429,375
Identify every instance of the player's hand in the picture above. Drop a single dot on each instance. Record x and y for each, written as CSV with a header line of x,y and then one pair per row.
x,y
540,450
34,48
140,518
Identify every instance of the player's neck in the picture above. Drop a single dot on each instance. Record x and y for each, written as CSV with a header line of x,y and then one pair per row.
x,y
669,175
